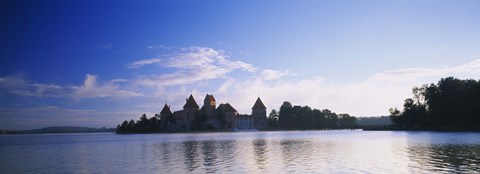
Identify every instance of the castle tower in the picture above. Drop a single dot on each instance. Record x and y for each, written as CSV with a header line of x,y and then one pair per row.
x,y
229,114
209,106
189,110
165,116
165,113
259,113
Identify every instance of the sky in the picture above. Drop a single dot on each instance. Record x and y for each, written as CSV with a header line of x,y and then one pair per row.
x,y
97,63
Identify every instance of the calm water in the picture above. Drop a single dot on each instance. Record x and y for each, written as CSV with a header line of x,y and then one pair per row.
x,y
243,152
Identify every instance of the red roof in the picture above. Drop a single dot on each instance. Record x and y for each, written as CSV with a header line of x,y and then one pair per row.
x,y
259,104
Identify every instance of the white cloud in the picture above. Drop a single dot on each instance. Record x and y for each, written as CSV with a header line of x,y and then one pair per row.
x,y
269,74
12,82
17,84
41,90
195,58
158,47
373,96
44,116
407,75
192,70
140,63
89,89
191,65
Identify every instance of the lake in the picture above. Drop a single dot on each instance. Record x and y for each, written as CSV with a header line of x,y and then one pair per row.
x,y
243,152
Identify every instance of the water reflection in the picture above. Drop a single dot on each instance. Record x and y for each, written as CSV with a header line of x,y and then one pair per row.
x,y
260,150
296,154
312,153
164,149
253,152
190,155
209,156
445,158
228,152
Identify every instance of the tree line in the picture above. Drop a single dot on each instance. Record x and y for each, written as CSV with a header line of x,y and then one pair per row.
x,y
143,125
291,117
59,129
157,125
451,104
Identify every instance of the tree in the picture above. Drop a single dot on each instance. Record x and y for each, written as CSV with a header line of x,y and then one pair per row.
x,y
131,126
346,121
272,119
286,116
153,125
298,117
450,104
142,124
273,114
123,127
331,119
319,119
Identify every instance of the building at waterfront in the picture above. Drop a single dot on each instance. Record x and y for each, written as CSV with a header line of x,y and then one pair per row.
x,y
259,114
211,117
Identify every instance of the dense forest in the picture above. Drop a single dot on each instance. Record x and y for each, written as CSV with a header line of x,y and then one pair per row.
x,y
287,118
305,118
451,104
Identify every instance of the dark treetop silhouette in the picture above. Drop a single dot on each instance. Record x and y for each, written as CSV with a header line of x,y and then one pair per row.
x,y
451,104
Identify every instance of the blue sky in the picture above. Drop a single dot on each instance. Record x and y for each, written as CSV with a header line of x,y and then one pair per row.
x,y
97,63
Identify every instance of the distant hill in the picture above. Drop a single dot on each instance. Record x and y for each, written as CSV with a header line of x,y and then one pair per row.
x,y
59,129
374,121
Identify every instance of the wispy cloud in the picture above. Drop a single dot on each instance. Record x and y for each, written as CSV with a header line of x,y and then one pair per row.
x,y
89,89
17,84
201,70
140,63
158,47
372,96
467,70
44,116
269,74
191,65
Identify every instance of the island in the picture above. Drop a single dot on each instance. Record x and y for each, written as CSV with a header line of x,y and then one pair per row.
x,y
226,118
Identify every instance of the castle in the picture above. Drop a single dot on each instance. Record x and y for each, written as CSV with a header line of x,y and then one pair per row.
x,y
211,117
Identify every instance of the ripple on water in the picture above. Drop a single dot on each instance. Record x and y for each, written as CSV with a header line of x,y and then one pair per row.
x,y
254,152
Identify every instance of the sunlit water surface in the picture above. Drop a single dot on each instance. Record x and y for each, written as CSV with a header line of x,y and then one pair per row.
x,y
243,152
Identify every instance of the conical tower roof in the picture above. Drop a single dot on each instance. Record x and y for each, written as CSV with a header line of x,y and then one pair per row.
x,y
259,104
166,110
191,103
209,98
